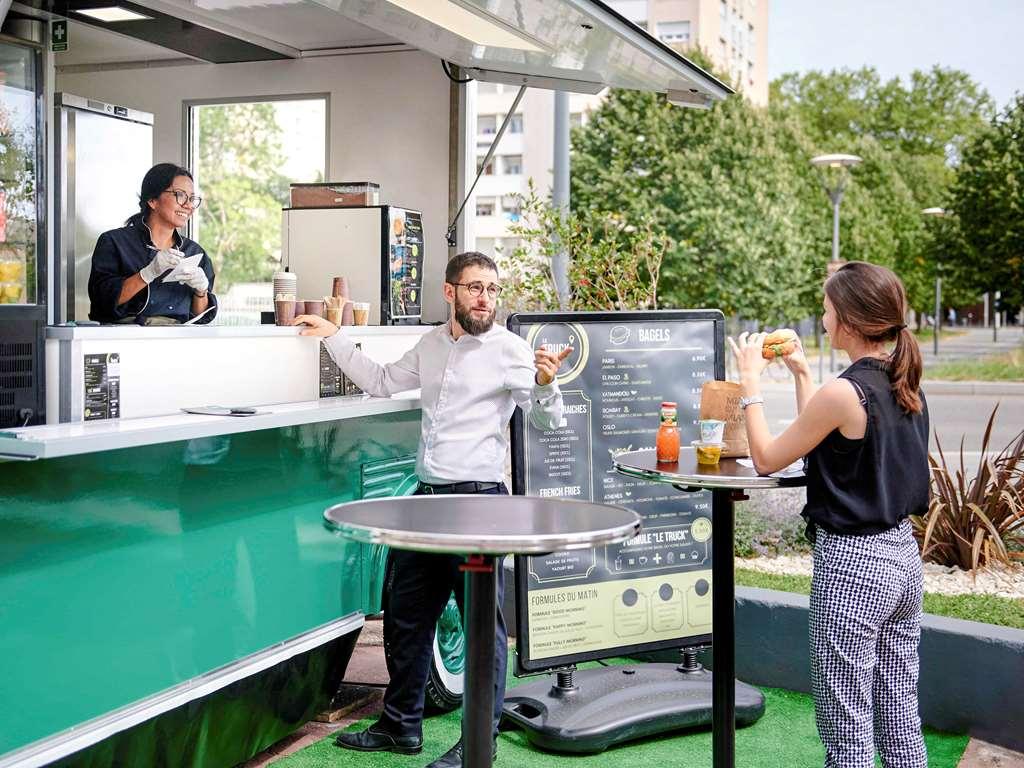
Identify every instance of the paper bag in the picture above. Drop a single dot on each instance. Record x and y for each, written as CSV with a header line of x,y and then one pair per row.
x,y
721,400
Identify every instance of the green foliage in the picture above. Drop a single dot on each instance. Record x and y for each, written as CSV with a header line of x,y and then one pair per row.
x,y
748,223
614,263
1008,367
759,535
243,191
988,198
911,137
718,184
988,609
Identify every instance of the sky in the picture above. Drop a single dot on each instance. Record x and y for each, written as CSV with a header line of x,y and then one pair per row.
x,y
980,37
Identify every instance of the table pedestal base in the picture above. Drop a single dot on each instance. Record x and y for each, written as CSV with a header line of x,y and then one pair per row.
x,y
478,699
620,703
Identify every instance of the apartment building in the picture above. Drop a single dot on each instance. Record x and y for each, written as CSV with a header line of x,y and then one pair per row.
x,y
733,33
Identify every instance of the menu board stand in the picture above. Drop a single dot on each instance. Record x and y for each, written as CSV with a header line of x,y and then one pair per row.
x,y
651,593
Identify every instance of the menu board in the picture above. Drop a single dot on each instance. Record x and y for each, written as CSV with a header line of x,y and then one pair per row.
x,y
405,255
333,382
101,378
653,591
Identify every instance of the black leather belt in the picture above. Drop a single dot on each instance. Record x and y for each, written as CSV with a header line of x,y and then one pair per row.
x,y
470,486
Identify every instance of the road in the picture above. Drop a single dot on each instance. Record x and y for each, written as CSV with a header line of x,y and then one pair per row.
x,y
952,417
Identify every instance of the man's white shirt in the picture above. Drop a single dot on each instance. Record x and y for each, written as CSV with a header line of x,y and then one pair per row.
x,y
469,388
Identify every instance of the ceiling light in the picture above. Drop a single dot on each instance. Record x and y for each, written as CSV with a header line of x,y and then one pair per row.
x,y
112,13
468,25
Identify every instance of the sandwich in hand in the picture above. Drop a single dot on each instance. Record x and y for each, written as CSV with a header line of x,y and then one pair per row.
x,y
779,344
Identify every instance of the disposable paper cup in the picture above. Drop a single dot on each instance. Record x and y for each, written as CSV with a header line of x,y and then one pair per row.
x,y
284,311
315,307
712,430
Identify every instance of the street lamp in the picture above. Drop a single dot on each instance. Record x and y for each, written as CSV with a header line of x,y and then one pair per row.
x,y
938,213
834,176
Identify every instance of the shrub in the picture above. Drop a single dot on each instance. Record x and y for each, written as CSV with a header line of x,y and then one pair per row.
x,y
614,263
979,522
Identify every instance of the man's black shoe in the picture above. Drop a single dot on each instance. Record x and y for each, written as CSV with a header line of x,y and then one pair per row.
x,y
453,757
372,740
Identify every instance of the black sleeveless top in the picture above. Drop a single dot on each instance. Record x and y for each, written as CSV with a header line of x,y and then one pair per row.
x,y
867,486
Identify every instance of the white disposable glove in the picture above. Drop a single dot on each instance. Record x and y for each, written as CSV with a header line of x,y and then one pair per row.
x,y
163,261
196,280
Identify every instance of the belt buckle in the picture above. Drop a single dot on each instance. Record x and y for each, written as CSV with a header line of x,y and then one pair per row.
x,y
426,490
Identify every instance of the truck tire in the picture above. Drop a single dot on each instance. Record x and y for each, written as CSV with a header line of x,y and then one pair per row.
x,y
445,680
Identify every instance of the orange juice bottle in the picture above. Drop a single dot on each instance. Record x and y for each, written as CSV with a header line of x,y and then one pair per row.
x,y
667,444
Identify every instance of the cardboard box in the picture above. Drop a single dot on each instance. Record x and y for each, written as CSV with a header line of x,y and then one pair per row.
x,y
335,194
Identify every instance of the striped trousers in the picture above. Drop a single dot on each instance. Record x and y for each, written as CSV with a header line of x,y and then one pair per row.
x,y
865,626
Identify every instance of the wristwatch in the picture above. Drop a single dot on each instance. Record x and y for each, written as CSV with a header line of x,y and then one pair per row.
x,y
745,401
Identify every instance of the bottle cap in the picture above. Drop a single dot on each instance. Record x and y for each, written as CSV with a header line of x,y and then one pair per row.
x,y
667,404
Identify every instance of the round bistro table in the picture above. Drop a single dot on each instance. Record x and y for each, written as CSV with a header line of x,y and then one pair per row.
x,y
481,527
728,481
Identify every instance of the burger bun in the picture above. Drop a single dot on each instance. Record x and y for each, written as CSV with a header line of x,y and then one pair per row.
x,y
779,344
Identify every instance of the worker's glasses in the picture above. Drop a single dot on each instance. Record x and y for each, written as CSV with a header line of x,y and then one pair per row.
x,y
184,197
476,288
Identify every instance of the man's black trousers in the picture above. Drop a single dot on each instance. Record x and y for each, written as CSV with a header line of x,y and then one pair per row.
x,y
415,595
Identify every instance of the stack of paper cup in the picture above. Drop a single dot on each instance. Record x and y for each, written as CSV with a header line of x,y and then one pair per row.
x,y
285,283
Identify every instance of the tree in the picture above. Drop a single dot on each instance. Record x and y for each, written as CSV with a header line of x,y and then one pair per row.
x,y
988,198
719,185
243,191
912,137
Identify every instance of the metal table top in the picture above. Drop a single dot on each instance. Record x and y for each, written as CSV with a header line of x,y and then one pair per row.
x,y
482,524
687,473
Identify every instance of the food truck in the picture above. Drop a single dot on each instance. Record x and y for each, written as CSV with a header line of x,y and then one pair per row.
x,y
168,592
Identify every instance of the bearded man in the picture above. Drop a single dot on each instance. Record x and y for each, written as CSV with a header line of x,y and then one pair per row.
x,y
472,374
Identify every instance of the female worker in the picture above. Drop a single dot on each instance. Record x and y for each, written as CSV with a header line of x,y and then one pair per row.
x,y
865,435
135,273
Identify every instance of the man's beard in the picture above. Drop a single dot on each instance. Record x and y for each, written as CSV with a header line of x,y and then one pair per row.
x,y
470,324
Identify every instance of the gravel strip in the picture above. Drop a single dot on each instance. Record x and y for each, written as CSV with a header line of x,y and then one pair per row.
x,y
1003,582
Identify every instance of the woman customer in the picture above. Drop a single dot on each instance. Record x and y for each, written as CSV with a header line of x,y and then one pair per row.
x,y
135,275
865,435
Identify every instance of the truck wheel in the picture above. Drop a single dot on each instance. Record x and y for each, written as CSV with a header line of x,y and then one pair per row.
x,y
445,681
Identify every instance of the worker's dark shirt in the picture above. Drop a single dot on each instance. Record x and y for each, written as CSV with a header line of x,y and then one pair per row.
x,y
118,255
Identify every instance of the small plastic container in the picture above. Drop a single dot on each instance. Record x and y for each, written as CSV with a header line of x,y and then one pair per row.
x,y
708,453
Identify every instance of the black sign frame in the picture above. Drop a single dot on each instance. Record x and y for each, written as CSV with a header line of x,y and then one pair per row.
x,y
524,664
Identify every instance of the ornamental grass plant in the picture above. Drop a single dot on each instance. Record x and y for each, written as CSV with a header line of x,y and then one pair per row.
x,y
975,522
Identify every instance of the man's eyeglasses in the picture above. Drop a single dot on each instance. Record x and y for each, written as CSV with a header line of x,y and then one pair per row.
x,y
183,197
476,288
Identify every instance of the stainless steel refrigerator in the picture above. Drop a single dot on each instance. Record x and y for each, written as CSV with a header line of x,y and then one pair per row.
x,y
103,151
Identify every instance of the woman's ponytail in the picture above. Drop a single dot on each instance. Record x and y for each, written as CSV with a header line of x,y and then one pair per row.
x,y
905,369
870,301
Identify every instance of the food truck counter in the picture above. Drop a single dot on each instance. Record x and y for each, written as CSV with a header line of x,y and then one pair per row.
x,y
97,373
54,440
170,574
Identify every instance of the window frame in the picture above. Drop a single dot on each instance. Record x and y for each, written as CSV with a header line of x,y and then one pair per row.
x,y
189,137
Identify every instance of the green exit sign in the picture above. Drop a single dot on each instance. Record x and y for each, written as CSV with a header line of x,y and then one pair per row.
x,y
59,35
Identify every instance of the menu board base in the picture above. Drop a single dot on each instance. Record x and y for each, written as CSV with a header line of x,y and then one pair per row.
x,y
620,703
